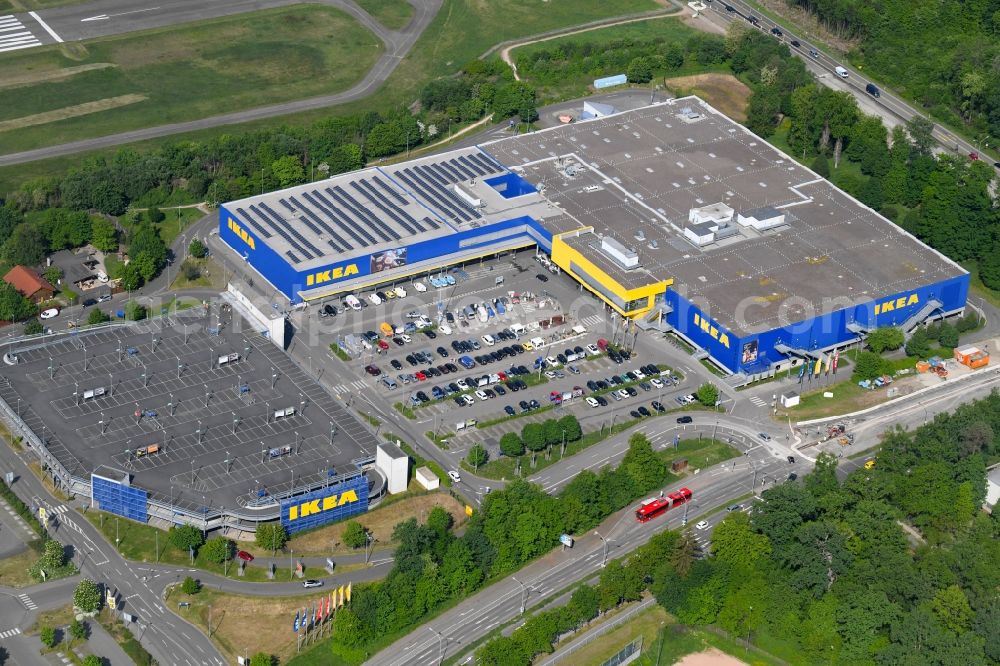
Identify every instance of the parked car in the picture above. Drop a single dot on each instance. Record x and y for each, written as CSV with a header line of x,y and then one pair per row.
x,y
49,314
312,583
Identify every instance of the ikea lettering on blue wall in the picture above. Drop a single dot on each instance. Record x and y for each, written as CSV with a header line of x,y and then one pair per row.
x,y
326,505
899,303
712,329
239,231
331,274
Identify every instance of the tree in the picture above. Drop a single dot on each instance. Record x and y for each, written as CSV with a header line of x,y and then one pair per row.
x,y
134,311
92,660
288,170
920,130
130,277
989,266
53,555
885,338
707,394
571,425
919,344
190,585
103,235
185,537
190,270
155,215
271,536
440,520
952,609
640,70
948,336
13,305
33,327
197,249
642,465
87,596
26,246
354,535
477,456
53,274
511,445
97,316
533,436
869,365
736,544
217,550
79,630
48,636
262,659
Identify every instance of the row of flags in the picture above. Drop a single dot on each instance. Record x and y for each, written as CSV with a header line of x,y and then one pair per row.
x,y
308,618
824,364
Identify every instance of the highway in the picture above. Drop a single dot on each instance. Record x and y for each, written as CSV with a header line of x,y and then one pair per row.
x,y
398,44
824,65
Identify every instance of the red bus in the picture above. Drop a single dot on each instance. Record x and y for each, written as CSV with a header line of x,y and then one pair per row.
x,y
652,508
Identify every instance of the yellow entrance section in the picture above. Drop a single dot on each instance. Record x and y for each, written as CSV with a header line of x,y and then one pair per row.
x,y
627,302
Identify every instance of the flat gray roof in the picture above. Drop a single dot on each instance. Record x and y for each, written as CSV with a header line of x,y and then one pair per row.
x,y
636,175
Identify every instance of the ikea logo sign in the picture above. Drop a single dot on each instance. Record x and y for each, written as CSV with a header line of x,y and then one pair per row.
x,y
896,303
321,504
239,231
712,329
331,274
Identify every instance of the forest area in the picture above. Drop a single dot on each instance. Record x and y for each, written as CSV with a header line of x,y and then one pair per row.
x,y
893,565
943,54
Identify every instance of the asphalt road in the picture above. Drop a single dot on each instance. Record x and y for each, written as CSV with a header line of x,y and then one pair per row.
x,y
824,66
398,44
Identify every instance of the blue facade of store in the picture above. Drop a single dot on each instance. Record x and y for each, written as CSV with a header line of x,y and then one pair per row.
x,y
281,275
116,497
757,352
326,505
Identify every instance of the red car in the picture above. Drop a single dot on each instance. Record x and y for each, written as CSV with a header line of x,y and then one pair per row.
x,y
502,376
245,556
421,376
973,156
383,345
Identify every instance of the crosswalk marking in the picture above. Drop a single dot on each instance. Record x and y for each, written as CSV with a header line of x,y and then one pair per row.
x,y
592,320
10,632
758,401
26,600
14,35
62,508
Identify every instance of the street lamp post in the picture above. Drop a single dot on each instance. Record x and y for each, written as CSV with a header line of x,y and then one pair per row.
x,y
604,559
440,643
524,593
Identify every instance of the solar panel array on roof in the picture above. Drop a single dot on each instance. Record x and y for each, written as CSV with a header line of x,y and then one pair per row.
x,y
432,182
291,234
249,220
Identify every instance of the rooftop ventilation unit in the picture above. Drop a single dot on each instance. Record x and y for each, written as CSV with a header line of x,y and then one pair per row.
x,y
761,218
640,235
625,256
717,213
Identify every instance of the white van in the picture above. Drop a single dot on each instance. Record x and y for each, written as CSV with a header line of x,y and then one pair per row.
x,y
841,72
352,302
537,343
517,329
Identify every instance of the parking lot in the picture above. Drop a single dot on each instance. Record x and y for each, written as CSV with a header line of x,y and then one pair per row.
x,y
193,409
551,318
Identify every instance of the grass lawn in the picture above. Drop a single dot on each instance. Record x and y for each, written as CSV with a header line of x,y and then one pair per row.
x,y
572,85
700,453
138,543
381,521
393,14
14,569
271,628
646,624
211,275
176,221
185,72
978,289
461,31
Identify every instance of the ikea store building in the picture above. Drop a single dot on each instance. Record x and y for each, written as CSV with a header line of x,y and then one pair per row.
x,y
672,214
